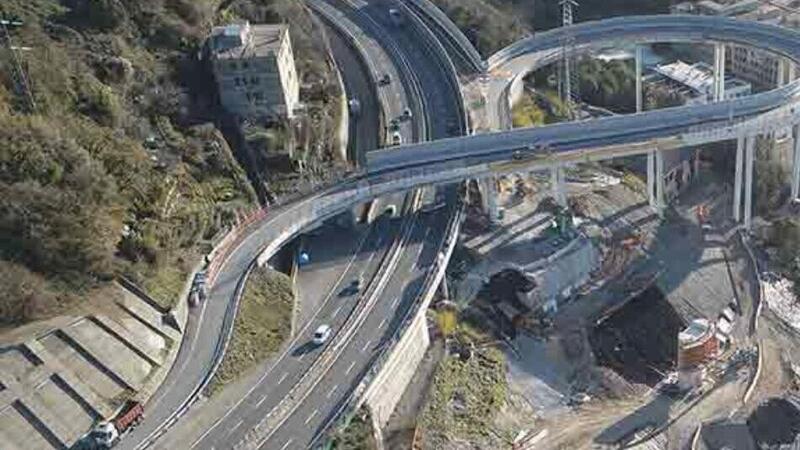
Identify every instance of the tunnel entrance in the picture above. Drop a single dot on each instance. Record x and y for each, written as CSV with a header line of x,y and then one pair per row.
x,y
640,340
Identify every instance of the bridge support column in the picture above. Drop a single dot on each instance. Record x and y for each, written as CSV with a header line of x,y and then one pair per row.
x,y
749,157
719,72
659,179
737,180
639,104
796,164
557,181
651,178
443,289
489,194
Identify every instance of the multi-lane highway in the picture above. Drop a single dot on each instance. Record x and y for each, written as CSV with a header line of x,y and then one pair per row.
x,y
449,160
394,299
277,381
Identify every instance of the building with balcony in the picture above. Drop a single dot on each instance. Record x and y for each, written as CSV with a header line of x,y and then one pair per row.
x,y
254,69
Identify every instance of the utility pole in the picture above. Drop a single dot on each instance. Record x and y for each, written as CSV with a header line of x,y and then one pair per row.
x,y
568,73
18,74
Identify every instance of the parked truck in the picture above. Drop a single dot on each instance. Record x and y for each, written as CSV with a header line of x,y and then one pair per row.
x,y
107,433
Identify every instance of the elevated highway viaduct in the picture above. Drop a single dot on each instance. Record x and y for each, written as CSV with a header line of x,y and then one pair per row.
x,y
453,159
449,160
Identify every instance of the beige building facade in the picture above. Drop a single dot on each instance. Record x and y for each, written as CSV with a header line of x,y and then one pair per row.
x,y
254,70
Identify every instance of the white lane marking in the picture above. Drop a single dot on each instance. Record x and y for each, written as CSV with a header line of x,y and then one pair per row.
x,y
336,313
233,428
287,444
383,321
283,377
296,338
302,355
367,345
328,395
350,368
311,416
262,400
394,302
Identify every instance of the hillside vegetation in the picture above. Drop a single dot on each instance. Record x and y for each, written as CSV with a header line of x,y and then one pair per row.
x,y
117,167
263,323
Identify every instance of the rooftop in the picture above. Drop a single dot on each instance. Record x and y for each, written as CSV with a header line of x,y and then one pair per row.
x,y
699,77
696,331
243,40
777,12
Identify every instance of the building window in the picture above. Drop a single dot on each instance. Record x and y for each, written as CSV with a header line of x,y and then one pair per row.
x,y
234,66
245,64
254,80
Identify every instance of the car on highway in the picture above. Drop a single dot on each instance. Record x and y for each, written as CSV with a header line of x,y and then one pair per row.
x,y
321,334
396,16
354,106
407,114
385,79
353,288
394,125
397,139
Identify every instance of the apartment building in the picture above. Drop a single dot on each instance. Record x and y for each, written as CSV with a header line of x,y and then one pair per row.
x,y
760,68
254,70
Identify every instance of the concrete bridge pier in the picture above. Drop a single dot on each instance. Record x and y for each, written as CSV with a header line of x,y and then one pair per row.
x,y
749,157
638,74
651,178
785,76
796,164
745,158
557,181
444,291
737,179
655,180
719,72
488,188
659,181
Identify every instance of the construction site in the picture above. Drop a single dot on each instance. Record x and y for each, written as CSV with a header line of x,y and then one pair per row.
x,y
616,325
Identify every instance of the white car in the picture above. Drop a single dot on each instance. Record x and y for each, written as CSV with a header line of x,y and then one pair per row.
x,y
397,138
354,106
322,334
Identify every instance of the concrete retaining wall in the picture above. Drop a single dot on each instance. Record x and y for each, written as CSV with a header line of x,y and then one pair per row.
x,y
387,388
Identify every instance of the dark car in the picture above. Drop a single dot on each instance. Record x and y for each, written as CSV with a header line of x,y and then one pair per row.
x,y
352,289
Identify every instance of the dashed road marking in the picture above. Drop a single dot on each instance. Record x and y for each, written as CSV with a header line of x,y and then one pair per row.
x,y
328,395
350,368
287,444
383,321
311,416
283,377
261,401
366,346
233,428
